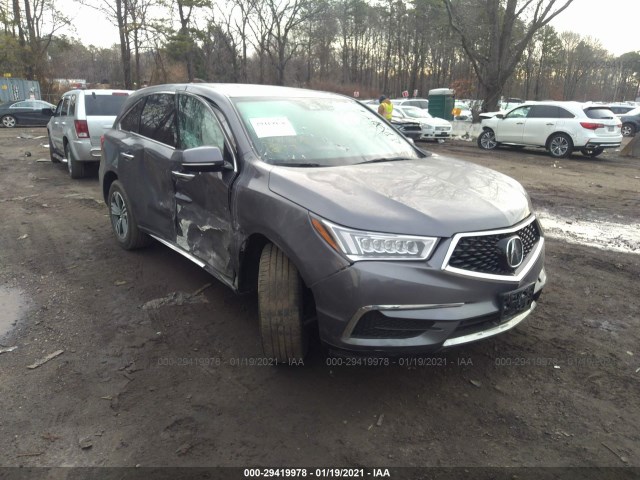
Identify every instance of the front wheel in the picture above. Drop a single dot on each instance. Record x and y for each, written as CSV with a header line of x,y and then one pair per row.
x,y
8,121
560,146
592,152
487,140
628,130
280,307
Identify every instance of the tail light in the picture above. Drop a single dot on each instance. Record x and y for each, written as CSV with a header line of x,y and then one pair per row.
x,y
101,141
591,125
82,129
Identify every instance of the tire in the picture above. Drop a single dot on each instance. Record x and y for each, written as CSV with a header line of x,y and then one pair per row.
x,y
628,130
76,169
487,140
51,150
123,222
280,307
560,146
9,121
592,152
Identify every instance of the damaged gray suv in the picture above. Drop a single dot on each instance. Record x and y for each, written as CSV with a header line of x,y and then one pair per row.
x,y
338,221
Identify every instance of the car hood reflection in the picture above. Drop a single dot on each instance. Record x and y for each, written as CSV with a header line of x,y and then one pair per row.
x,y
436,196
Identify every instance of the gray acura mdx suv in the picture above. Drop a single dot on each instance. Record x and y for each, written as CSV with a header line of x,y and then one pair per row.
x,y
337,220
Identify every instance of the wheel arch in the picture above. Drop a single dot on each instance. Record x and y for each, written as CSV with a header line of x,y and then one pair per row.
x,y
249,261
109,178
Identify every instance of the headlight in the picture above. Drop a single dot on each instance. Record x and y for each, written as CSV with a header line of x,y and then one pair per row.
x,y
362,245
427,126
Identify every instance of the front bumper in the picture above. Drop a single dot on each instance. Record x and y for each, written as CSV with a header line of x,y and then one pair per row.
x,y
434,135
414,307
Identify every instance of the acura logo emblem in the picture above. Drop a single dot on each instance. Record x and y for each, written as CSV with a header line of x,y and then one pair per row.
x,y
514,252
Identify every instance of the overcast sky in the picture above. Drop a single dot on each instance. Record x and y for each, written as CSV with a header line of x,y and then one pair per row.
x,y
614,22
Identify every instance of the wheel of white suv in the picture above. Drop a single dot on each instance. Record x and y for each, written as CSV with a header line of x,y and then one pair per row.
x,y
592,152
560,145
280,307
628,130
487,140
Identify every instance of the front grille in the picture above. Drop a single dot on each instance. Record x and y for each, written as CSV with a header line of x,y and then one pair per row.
x,y
443,129
376,325
481,254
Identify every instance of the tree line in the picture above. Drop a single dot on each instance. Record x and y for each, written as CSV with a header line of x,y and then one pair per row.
x,y
483,49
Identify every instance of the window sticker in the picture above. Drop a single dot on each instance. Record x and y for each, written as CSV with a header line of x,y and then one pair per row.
x,y
272,127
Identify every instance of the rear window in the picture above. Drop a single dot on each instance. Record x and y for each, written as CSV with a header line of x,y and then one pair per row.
x,y
104,104
601,113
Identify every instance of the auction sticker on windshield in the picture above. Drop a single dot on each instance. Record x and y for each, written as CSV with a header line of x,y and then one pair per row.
x,y
272,127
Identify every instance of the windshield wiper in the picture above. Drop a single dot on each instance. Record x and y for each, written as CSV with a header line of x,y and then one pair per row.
x,y
384,159
297,164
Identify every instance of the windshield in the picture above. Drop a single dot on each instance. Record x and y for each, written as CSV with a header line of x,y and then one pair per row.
x,y
320,132
415,112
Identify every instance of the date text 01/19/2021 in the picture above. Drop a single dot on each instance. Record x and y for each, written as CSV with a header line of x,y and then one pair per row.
x,y
316,472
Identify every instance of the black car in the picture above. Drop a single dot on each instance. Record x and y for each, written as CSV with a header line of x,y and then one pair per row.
x,y
630,123
25,112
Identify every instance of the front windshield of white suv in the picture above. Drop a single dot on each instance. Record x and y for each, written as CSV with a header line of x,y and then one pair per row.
x,y
319,132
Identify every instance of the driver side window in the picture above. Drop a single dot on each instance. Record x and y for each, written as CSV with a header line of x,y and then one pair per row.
x,y
197,125
520,112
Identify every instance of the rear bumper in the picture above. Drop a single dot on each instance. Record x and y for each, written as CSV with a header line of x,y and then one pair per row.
x,y
596,144
83,151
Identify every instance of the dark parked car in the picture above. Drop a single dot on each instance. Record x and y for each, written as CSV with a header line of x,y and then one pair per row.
x,y
25,112
339,222
630,122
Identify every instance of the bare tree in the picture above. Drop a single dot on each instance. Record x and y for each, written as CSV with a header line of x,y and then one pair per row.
x,y
496,47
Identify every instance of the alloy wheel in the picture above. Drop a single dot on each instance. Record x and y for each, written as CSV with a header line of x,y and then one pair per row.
x,y
559,146
488,140
119,215
8,121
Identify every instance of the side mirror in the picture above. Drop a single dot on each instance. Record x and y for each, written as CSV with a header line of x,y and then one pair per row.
x,y
203,159
48,111
500,115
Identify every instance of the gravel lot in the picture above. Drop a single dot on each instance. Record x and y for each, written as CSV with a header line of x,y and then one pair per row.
x,y
147,382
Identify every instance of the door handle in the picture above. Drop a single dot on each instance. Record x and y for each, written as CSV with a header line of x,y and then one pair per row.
x,y
127,155
183,176
519,123
551,124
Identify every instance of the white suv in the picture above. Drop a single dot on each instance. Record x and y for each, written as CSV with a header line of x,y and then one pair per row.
x,y
559,127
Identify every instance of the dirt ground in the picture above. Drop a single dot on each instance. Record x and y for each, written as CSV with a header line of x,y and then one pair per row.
x,y
167,383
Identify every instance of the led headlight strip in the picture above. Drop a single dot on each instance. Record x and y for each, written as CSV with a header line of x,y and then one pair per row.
x,y
363,245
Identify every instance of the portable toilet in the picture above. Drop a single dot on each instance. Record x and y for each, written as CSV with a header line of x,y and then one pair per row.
x,y
442,102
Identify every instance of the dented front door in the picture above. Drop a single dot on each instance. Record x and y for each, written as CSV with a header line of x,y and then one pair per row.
x,y
203,211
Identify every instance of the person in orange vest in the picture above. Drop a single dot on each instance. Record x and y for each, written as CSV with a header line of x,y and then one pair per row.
x,y
386,107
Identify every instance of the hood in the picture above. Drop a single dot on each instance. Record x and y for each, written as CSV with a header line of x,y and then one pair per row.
x,y
435,196
436,122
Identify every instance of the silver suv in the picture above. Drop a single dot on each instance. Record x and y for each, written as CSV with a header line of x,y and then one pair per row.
x,y
78,122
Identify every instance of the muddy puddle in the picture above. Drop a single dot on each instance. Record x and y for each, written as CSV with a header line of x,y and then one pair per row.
x,y
12,306
586,229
